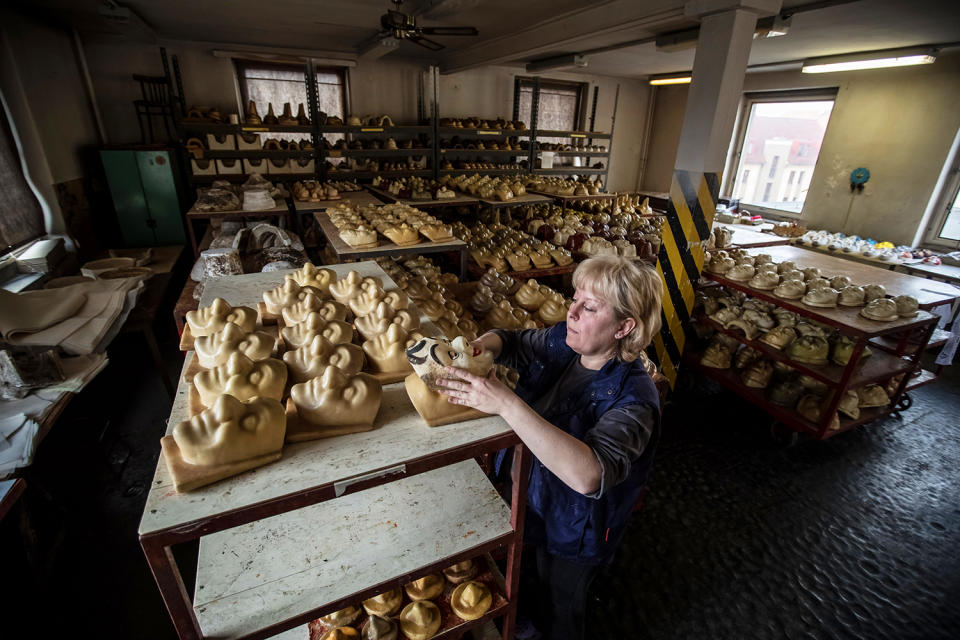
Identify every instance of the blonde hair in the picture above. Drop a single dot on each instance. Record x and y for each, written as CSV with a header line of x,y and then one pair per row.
x,y
631,290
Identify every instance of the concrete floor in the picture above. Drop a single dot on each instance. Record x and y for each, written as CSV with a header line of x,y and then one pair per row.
x,y
855,537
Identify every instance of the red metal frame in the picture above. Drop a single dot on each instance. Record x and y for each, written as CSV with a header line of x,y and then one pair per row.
x,y
907,351
157,545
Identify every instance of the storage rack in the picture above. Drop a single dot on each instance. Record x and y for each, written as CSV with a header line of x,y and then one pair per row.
x,y
320,529
429,127
893,354
588,136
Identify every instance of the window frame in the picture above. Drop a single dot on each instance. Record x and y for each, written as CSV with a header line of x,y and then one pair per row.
x,y
740,133
582,89
947,195
241,65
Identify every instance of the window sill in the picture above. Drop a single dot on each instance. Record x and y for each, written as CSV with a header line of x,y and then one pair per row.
x,y
773,214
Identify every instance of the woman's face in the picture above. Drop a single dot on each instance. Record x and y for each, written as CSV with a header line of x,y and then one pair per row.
x,y
591,325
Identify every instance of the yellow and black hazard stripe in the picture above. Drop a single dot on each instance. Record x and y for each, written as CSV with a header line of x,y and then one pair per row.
x,y
693,198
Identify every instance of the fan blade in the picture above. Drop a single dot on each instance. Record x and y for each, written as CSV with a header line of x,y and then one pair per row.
x,y
449,31
426,42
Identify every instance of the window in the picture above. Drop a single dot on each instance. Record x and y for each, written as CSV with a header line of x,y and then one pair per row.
x,y
943,227
277,84
783,131
21,218
951,226
560,105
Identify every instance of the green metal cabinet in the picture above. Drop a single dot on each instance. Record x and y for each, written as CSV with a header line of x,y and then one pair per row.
x,y
145,196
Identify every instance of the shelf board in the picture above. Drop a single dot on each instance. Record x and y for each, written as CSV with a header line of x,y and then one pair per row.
x,y
340,552
891,344
552,133
925,378
569,170
348,175
490,152
929,293
847,319
376,153
527,198
372,129
491,172
576,154
210,127
477,271
876,367
243,177
484,133
730,379
258,153
562,198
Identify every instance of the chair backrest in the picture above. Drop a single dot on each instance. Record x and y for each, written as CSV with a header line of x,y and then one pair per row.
x,y
154,89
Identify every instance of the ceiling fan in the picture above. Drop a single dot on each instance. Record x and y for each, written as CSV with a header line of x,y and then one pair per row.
x,y
404,27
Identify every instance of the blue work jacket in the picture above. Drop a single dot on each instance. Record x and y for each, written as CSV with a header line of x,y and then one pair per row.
x,y
567,523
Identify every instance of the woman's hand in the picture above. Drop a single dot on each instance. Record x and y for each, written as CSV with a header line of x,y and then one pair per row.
x,y
486,394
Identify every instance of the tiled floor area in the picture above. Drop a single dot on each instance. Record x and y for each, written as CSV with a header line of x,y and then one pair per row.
x,y
855,537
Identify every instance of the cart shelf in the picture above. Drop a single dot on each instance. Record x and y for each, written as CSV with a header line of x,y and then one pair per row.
x,y
731,380
305,563
848,319
925,378
892,344
879,366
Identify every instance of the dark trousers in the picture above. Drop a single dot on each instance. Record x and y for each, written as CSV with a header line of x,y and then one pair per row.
x,y
554,594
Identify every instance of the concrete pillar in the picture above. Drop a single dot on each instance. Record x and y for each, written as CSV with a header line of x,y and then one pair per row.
x,y
723,48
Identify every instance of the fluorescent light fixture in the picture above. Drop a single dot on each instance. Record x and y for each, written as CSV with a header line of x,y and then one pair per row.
x,y
557,62
671,79
871,60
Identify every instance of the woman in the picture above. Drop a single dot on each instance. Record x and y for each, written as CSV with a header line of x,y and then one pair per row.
x,y
590,415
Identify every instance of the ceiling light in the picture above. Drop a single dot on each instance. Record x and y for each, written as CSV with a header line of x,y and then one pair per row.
x,y
673,79
871,60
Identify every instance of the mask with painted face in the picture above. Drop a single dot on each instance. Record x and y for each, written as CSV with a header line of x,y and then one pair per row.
x,y
429,356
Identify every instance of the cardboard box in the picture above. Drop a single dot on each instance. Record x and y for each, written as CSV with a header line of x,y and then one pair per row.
x,y
249,142
228,166
278,165
221,142
302,165
254,165
205,167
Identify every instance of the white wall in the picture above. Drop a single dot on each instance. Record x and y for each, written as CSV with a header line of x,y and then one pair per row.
x,y
488,92
386,85
898,123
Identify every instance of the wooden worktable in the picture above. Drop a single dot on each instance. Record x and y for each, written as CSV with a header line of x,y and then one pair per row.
x,y
275,541
461,200
527,198
352,198
344,251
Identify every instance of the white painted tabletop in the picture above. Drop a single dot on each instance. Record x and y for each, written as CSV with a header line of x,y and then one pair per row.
x,y
400,435
257,574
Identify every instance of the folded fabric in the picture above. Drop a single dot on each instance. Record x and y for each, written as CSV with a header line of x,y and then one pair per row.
x,y
26,313
84,330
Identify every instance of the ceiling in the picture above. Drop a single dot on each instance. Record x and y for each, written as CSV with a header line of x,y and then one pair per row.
x,y
512,32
